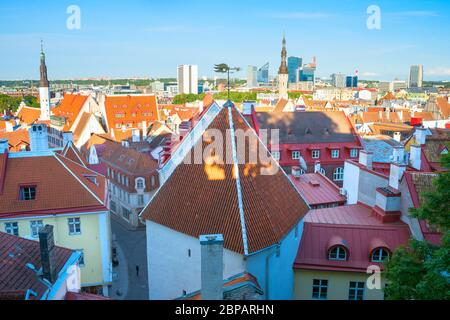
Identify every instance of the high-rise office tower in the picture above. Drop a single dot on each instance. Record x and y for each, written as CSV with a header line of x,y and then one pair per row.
x,y
252,74
415,76
187,79
294,64
338,80
263,74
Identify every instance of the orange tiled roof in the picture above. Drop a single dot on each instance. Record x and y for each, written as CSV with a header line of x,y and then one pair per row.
x,y
29,115
70,107
17,137
57,186
377,116
207,196
130,110
71,152
444,107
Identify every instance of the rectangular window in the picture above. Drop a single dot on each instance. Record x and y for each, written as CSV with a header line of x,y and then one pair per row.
x,y
353,153
27,193
320,289
276,155
141,200
356,290
112,206
81,261
35,226
295,155
12,228
126,213
315,154
335,153
74,226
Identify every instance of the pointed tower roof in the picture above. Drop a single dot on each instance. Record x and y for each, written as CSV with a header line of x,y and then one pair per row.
x,y
43,69
252,209
283,67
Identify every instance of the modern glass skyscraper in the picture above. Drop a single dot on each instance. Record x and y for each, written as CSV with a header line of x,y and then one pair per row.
x,y
307,73
263,74
415,76
187,79
252,76
294,63
351,81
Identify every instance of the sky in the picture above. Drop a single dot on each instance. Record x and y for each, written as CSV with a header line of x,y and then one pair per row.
x,y
137,38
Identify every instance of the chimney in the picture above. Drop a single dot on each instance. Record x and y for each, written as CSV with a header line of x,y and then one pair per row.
x,y
398,154
387,204
395,174
365,158
317,167
38,137
295,171
67,137
211,266
47,248
415,156
420,134
144,129
397,136
4,146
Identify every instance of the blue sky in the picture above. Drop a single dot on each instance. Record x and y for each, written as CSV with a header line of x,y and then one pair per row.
x,y
150,38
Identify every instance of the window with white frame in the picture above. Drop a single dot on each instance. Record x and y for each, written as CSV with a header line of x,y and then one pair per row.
x,y
356,290
12,228
74,226
276,155
335,153
353,153
35,226
380,255
338,174
315,154
140,183
320,289
322,171
337,253
295,155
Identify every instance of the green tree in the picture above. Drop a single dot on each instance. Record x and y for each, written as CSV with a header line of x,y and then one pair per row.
x,y
420,270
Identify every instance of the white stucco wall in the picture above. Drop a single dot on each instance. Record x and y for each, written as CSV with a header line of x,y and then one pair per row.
x,y
171,270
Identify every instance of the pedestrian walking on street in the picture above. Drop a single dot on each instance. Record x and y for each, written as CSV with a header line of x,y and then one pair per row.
x,y
137,271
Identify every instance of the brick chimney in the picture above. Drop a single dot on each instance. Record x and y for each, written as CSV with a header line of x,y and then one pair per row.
x,y
366,158
397,136
47,248
317,167
4,146
211,267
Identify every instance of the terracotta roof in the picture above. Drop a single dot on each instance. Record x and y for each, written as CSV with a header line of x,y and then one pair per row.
x,y
15,277
424,115
130,110
443,106
57,181
70,107
207,198
29,115
317,189
388,96
128,160
380,116
308,127
71,152
435,143
281,104
81,125
17,137
358,229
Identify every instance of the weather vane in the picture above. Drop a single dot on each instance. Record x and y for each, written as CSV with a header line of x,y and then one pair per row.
x,y
224,68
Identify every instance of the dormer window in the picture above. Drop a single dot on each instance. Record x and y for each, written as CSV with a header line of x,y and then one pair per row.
x,y
27,193
315,154
295,155
337,253
379,255
335,153
353,153
140,183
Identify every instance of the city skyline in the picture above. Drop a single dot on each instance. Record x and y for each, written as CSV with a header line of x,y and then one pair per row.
x,y
142,40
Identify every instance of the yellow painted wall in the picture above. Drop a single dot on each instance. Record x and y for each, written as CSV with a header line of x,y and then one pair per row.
x,y
338,284
88,240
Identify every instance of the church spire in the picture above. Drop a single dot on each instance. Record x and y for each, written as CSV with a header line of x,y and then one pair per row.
x,y
43,69
283,67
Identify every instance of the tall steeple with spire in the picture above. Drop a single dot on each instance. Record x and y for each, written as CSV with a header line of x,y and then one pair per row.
x,y
283,73
44,88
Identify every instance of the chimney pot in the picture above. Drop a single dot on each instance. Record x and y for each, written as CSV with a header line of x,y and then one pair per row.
x,y
211,266
366,158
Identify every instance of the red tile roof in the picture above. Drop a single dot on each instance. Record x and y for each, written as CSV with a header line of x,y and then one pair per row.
x,y
70,107
130,110
16,138
444,106
359,231
207,197
58,187
29,115
317,189
15,276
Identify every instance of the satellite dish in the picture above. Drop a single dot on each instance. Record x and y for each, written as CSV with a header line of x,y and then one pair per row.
x,y
303,163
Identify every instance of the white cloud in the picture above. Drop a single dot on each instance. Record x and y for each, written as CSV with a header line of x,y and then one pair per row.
x,y
439,71
369,74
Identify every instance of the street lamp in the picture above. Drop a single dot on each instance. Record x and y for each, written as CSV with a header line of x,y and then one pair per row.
x,y
224,68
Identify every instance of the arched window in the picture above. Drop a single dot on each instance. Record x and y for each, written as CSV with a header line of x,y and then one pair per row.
x,y
338,174
379,255
337,253
140,183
